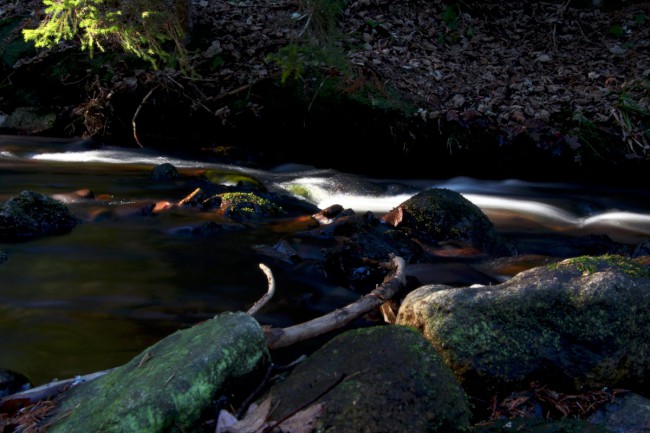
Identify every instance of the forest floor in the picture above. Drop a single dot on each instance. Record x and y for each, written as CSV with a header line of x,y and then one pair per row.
x,y
574,80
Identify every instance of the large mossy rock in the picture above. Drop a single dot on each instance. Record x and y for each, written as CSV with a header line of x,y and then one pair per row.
x,y
32,214
440,214
168,386
581,322
385,378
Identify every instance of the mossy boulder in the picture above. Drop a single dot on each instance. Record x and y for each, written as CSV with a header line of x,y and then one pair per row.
x,y
170,384
31,214
241,206
385,378
578,323
28,120
440,214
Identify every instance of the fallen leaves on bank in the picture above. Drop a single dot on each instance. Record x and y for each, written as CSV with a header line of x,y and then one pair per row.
x,y
540,401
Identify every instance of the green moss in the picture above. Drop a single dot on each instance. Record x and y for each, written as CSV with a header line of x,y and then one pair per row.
x,y
171,383
249,204
300,191
591,264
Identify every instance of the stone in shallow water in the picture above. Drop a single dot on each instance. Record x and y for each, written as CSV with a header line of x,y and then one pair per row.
x,y
32,214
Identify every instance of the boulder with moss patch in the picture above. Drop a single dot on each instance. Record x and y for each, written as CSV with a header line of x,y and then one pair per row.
x,y
440,214
31,214
241,206
385,378
169,385
578,323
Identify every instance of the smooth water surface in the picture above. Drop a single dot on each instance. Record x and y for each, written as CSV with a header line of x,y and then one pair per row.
x,y
93,298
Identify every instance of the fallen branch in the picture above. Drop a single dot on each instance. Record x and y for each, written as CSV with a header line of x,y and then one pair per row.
x,y
275,337
47,391
269,294
282,337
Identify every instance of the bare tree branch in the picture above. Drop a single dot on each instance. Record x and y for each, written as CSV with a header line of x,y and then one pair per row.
x,y
269,294
135,116
282,337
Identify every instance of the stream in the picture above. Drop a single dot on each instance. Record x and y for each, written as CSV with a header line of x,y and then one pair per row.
x,y
91,299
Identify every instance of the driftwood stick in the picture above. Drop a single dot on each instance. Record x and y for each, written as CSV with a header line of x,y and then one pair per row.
x,y
282,337
268,295
46,391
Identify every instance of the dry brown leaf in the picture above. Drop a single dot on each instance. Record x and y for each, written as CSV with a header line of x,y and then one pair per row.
x,y
303,421
253,422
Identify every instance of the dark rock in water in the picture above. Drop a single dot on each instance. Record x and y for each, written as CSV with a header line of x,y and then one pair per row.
x,y
164,171
440,214
377,379
12,382
451,274
3,257
31,214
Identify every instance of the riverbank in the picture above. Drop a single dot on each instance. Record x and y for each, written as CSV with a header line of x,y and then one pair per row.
x,y
549,91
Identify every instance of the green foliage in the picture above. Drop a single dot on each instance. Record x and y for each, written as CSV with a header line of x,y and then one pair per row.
x,y
640,19
449,17
588,135
617,30
140,27
453,32
291,60
632,114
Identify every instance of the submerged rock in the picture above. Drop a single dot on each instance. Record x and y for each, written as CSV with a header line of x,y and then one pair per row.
x,y
385,378
12,382
170,384
31,214
578,323
164,171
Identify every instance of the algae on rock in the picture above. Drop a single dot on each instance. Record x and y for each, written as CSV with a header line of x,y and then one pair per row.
x,y
383,378
168,386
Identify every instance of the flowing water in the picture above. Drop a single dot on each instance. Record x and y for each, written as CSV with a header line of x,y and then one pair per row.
x,y
91,299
